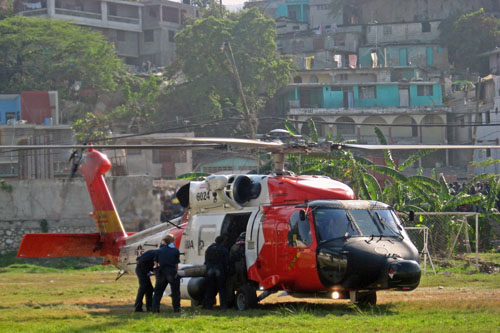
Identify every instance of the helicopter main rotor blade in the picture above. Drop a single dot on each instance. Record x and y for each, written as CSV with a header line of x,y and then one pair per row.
x,y
245,143
170,146
412,147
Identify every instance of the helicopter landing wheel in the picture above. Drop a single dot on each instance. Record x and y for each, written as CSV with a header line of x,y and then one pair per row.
x,y
366,299
195,303
246,297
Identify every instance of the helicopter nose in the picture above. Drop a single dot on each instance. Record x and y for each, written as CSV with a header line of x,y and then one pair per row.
x,y
403,275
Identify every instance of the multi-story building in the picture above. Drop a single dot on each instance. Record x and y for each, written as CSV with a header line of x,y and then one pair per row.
x,y
367,63
142,31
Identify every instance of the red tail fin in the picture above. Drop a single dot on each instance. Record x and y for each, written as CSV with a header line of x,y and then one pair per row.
x,y
108,222
111,234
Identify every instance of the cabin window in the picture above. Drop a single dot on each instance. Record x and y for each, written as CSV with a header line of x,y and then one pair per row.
x,y
299,234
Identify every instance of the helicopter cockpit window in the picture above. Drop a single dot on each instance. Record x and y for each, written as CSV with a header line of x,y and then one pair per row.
x,y
300,234
365,222
389,222
333,223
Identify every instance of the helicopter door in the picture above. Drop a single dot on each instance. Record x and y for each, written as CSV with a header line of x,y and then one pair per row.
x,y
233,225
299,239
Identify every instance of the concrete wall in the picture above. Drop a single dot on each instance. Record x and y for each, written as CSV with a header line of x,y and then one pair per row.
x,y
425,55
65,205
319,14
402,32
388,11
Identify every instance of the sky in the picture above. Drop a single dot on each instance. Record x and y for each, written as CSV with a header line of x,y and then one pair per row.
x,y
233,4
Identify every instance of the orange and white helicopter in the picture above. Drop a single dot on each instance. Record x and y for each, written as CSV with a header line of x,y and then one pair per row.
x,y
306,235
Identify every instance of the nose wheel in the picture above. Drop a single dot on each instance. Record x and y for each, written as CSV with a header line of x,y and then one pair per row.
x,y
363,299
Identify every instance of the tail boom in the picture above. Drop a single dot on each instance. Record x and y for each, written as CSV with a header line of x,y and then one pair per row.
x,y
64,245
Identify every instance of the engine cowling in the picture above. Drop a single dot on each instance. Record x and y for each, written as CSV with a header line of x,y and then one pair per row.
x,y
219,190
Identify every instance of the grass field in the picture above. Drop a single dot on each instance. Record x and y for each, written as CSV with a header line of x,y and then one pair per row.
x,y
36,298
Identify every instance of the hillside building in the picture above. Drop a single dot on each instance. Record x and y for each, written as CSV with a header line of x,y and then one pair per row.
x,y
142,31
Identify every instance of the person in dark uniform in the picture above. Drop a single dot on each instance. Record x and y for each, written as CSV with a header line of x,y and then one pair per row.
x,y
166,264
143,268
237,272
216,261
237,259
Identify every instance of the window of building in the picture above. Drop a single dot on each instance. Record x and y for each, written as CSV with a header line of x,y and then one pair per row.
x,y
313,79
293,12
134,152
171,35
344,77
170,14
318,44
149,36
297,79
387,30
426,27
367,92
153,11
299,234
488,117
345,125
11,115
120,35
296,27
424,90
112,9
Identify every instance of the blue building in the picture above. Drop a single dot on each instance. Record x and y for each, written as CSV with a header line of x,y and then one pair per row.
x,y
365,95
10,108
297,10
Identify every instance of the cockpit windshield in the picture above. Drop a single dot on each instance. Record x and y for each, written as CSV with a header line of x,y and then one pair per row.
x,y
332,223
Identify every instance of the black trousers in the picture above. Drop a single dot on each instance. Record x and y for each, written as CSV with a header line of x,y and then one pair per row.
x,y
216,283
163,278
145,289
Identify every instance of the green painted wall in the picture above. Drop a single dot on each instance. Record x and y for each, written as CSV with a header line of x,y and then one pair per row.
x,y
435,99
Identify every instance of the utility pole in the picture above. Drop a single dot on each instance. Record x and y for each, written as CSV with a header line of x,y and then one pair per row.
x,y
249,117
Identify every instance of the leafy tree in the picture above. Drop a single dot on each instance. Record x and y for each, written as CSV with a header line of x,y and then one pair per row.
x,y
204,55
142,102
6,8
468,35
41,54
94,127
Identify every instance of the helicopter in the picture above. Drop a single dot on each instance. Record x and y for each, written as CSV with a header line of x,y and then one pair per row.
x,y
306,236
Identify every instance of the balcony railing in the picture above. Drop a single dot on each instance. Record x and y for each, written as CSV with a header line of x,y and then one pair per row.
x,y
78,13
124,19
35,12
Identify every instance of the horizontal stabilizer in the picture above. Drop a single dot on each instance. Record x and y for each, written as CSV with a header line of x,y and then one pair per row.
x,y
60,245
